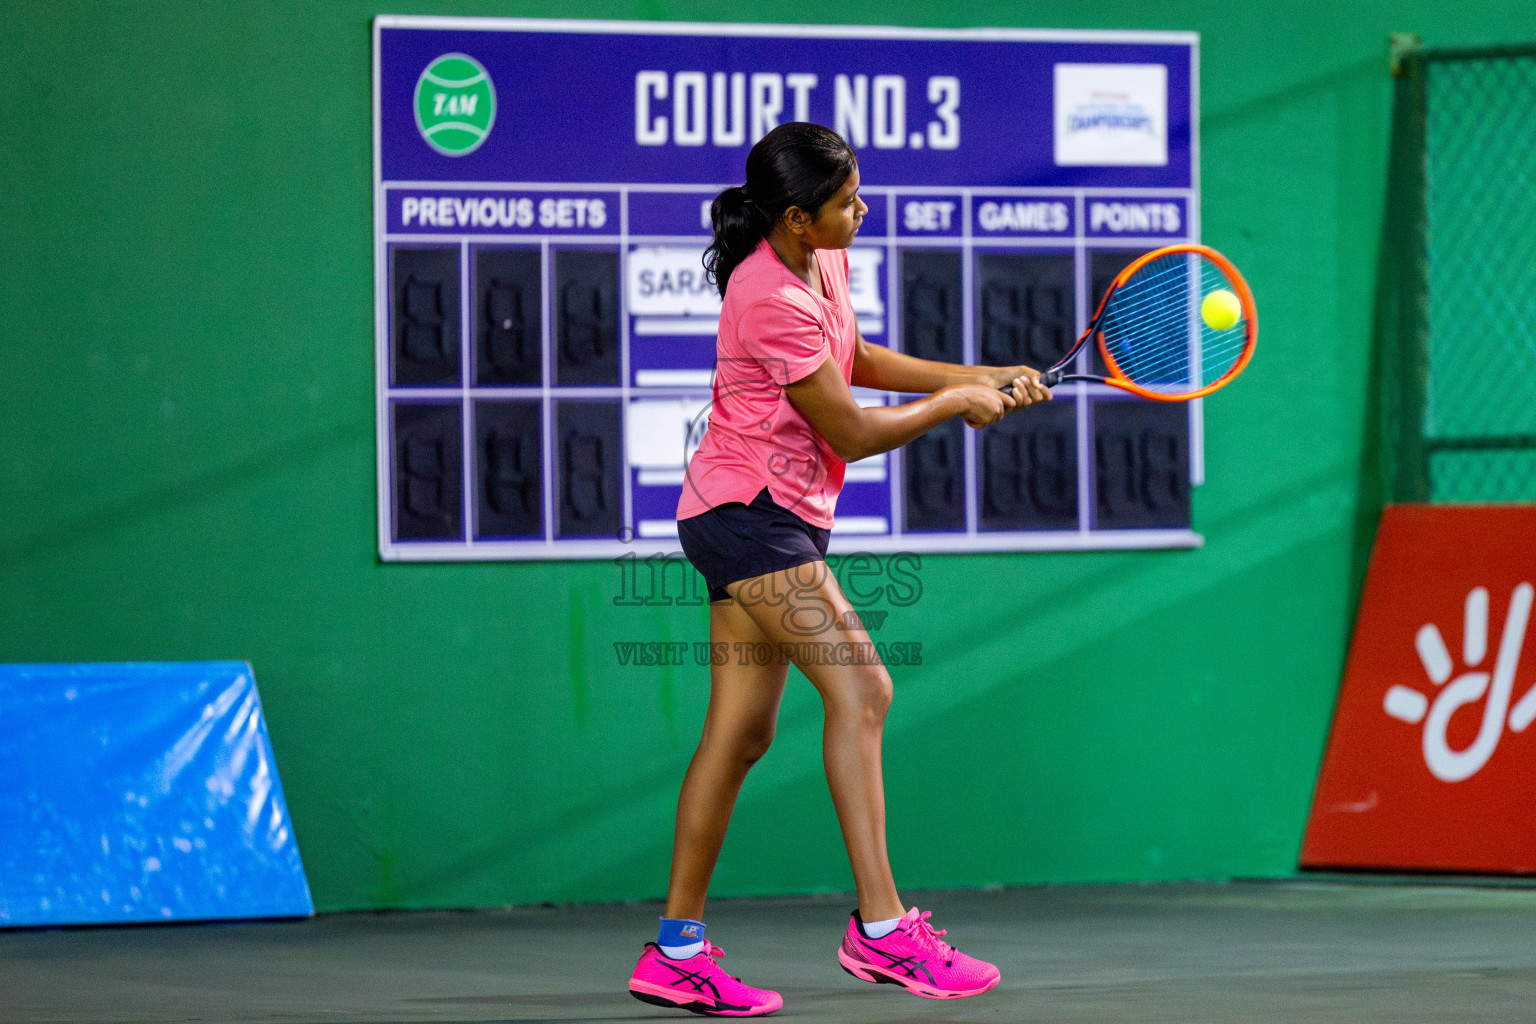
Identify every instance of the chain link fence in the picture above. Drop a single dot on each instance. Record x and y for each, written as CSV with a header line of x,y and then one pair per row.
x,y
1458,314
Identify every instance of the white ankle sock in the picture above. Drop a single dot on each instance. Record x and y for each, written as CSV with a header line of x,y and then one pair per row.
x,y
681,952
880,929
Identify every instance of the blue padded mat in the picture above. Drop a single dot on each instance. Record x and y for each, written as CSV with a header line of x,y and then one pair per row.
x,y
141,792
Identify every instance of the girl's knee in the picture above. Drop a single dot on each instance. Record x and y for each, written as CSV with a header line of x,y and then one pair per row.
x,y
755,744
745,744
866,692
878,694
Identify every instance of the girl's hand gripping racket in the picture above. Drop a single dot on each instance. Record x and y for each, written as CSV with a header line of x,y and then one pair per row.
x,y
1176,324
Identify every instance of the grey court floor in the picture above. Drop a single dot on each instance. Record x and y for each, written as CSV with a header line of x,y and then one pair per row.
x,y
1286,951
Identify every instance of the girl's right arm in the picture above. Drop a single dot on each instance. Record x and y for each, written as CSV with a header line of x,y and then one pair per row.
x,y
855,432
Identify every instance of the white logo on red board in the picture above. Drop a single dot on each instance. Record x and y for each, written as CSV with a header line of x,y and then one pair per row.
x,y
1475,683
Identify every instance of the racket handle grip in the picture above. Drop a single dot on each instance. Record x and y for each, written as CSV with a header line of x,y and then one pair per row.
x,y
1048,379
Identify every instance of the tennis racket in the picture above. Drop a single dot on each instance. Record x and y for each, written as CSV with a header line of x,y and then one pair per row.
x,y
1162,327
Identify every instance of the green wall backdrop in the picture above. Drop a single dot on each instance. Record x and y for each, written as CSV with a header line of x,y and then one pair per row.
x,y
187,471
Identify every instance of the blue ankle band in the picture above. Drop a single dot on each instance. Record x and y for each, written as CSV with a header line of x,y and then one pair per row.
x,y
679,931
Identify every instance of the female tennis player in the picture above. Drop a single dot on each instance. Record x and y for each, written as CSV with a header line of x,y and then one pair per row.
x,y
754,519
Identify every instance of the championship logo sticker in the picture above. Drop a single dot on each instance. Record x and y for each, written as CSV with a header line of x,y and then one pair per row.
x,y
455,104
1111,115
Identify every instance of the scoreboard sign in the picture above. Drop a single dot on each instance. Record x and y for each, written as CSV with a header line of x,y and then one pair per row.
x,y
546,334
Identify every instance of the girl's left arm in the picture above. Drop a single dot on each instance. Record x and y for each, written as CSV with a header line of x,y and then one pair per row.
x,y
875,366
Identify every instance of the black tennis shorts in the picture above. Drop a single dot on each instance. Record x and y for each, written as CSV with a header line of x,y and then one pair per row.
x,y
733,542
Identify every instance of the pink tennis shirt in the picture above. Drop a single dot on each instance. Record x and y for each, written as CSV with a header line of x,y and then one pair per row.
x,y
773,331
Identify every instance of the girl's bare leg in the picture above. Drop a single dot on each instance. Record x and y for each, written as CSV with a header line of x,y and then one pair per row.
x,y
805,606
738,727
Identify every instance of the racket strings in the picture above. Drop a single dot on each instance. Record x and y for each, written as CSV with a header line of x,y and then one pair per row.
x,y
1154,331
1153,337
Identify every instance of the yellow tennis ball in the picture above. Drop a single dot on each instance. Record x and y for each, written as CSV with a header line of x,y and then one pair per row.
x,y
1221,310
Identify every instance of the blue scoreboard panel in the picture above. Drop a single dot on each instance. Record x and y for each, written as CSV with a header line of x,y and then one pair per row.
x,y
546,336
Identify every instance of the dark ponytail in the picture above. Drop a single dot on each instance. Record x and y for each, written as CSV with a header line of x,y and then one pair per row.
x,y
797,164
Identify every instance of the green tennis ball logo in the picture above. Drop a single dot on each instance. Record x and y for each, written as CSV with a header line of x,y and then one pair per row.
x,y
455,104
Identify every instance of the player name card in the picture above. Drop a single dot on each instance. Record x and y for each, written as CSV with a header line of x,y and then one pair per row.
x,y
546,329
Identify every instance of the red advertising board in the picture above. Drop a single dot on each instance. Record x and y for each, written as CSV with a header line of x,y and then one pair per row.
x,y
1431,764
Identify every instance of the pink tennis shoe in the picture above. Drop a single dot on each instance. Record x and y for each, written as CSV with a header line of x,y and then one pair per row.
x,y
698,985
914,957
